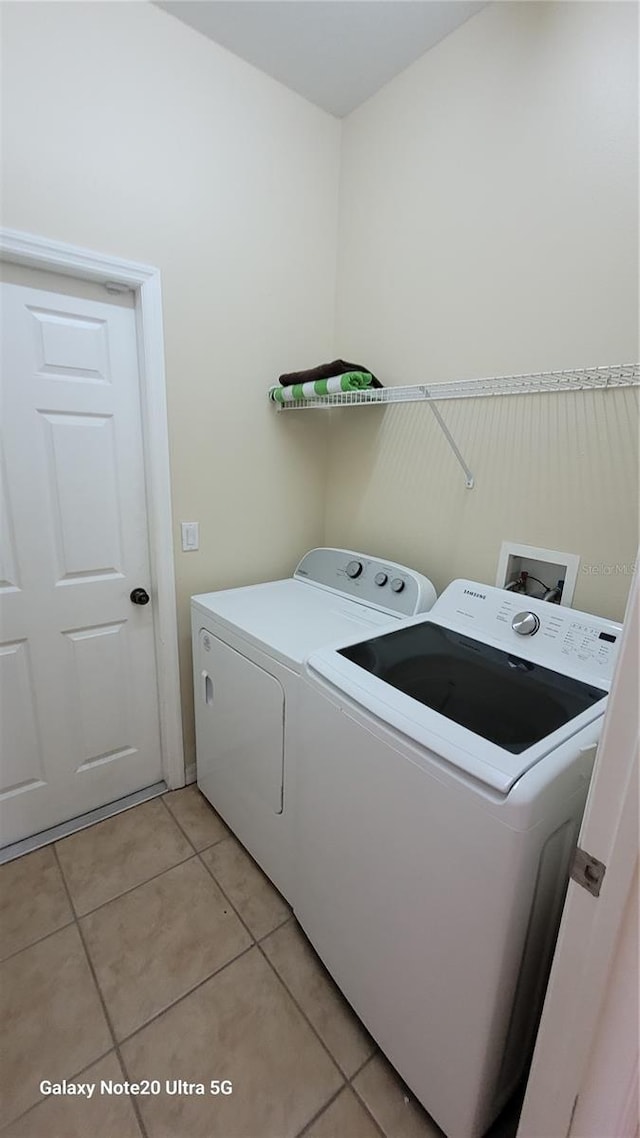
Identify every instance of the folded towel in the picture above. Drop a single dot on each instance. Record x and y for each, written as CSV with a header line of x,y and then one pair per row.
x,y
350,381
325,371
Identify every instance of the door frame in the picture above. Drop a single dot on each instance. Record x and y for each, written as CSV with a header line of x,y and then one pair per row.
x,y
144,281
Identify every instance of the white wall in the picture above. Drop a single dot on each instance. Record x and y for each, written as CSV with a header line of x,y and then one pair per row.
x,y
488,226
126,132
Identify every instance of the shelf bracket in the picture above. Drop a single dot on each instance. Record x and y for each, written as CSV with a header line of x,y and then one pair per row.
x,y
469,480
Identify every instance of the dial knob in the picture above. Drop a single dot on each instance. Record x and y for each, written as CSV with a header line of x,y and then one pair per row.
x,y
354,569
525,623
397,585
381,578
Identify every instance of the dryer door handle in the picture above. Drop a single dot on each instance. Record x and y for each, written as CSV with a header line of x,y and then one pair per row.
x,y
207,688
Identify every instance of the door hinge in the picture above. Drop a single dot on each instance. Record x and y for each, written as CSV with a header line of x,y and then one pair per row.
x,y
587,871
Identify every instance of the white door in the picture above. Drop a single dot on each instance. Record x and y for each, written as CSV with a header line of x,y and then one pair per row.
x,y
77,669
584,1074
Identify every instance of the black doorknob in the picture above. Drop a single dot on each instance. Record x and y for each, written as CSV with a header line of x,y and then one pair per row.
x,y
139,596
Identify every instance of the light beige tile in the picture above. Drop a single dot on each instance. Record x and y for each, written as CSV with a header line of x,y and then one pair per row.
x,y
102,1116
101,862
345,1118
253,895
240,1025
33,900
53,1023
311,986
394,1108
197,817
152,945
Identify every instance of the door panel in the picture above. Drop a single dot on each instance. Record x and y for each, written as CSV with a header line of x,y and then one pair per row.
x,y
70,347
84,494
80,708
8,564
98,661
22,759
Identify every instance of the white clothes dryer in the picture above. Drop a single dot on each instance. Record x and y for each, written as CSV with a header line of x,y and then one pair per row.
x,y
248,648
441,784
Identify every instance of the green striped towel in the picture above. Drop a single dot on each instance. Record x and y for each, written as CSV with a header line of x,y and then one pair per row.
x,y
350,381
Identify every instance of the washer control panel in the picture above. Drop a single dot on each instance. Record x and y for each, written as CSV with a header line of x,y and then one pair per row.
x,y
381,584
554,636
587,642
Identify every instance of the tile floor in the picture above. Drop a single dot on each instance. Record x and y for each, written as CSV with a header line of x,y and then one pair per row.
x,y
151,946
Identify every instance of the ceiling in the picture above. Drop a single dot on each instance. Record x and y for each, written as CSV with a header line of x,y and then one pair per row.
x,y
336,53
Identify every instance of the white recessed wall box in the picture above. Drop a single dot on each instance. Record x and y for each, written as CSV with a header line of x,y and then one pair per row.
x,y
542,573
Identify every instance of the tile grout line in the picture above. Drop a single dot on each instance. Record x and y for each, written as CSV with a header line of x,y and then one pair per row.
x,y
362,1066
45,1098
192,857
153,877
347,1085
291,917
255,942
116,1047
38,940
345,1080
258,944
304,1015
216,842
131,888
177,823
364,1106
78,918
146,881
314,1118
163,1011
405,1090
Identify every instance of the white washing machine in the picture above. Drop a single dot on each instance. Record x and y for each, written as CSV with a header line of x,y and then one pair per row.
x,y
248,648
440,790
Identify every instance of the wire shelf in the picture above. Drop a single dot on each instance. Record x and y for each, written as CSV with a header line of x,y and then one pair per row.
x,y
578,379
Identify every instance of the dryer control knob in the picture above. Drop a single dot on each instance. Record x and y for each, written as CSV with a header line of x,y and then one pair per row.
x,y
525,623
397,585
381,578
354,569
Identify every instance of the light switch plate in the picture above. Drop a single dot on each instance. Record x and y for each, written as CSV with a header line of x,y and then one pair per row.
x,y
190,536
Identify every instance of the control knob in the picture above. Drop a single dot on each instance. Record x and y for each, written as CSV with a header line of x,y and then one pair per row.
x,y
397,585
525,623
354,569
381,578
